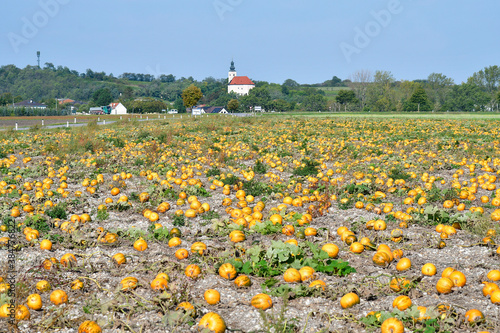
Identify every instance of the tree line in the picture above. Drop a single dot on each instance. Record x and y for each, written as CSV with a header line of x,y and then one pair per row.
x,y
143,93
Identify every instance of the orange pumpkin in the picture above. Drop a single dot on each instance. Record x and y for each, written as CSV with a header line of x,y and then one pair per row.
x,y
444,285
213,322
140,244
199,247
458,278
306,273
474,316
212,296
429,269
34,302
401,302
242,281
349,300
292,275
331,249
192,271
227,271
403,264
58,297
392,325
181,254
89,326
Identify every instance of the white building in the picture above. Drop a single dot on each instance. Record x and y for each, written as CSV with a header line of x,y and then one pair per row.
x,y
197,111
118,108
239,84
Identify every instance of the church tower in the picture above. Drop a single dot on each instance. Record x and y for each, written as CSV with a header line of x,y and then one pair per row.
x,y
232,72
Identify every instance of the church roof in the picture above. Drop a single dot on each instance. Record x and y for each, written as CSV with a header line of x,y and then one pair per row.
x,y
238,80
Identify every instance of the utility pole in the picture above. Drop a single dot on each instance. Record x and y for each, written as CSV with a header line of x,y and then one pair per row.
x,y
38,56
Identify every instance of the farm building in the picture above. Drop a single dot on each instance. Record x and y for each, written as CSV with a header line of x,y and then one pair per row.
x,y
238,84
29,104
118,108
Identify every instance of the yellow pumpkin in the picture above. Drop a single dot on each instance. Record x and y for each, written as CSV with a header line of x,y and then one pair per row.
x,y
292,275
68,260
261,301
5,310
403,264
199,247
192,271
140,244
187,307
213,322
331,249
58,297
306,273
43,286
489,288
397,284
357,247
381,258
444,285
227,271
181,254
447,271
89,326
458,278
212,296
242,281
22,313
34,302
174,241
392,325
349,300
318,284
494,275
129,283
236,236
119,259
159,283
429,269
474,316
495,296
401,302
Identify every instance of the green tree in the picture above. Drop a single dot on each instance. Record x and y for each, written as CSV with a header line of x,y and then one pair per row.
x,y
233,105
418,101
315,102
487,79
280,105
438,86
128,94
290,83
102,97
466,97
191,95
179,106
346,97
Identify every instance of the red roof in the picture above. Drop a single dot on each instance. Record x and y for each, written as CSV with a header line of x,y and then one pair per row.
x,y
241,80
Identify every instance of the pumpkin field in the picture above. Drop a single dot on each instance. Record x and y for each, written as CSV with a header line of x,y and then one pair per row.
x,y
271,223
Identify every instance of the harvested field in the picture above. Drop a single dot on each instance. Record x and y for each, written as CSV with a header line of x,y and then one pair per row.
x,y
265,195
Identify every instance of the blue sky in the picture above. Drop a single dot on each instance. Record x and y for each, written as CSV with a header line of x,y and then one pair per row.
x,y
308,41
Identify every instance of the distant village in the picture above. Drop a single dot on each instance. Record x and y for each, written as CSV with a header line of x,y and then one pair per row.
x,y
240,85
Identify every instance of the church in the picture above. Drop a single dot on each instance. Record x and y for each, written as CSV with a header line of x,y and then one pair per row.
x,y
239,84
